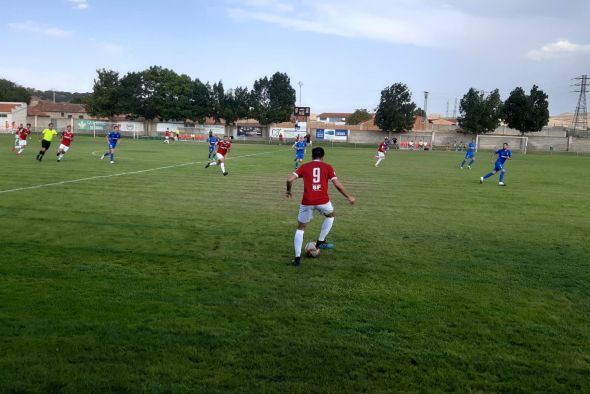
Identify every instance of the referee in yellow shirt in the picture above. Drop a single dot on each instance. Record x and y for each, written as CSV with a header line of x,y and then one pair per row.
x,y
48,135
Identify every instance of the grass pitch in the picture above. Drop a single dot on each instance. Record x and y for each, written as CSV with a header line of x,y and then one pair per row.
x,y
157,275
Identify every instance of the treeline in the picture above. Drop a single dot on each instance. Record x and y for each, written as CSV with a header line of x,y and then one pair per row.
x,y
162,93
479,112
10,91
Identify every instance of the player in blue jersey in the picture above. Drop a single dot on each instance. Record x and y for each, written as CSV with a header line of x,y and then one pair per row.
x,y
212,140
299,147
503,155
112,139
470,154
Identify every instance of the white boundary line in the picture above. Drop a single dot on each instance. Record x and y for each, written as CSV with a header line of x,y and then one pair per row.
x,y
122,174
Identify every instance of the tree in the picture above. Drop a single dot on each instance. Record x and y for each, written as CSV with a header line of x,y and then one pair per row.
x,y
200,101
526,113
396,109
217,101
10,91
104,100
358,116
236,105
478,113
273,99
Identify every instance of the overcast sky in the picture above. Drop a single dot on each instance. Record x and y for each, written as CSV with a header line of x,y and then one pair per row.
x,y
344,51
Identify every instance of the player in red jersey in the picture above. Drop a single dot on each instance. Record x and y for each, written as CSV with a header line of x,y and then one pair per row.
x,y
23,134
315,175
223,148
66,140
381,150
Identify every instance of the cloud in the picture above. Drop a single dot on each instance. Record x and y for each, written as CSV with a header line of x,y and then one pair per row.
x,y
558,49
79,4
32,27
422,23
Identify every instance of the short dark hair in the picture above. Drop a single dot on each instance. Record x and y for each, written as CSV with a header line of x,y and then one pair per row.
x,y
317,153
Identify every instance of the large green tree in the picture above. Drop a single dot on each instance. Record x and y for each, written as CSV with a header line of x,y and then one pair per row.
x,y
10,91
358,116
396,109
480,113
526,113
200,101
236,105
273,99
104,100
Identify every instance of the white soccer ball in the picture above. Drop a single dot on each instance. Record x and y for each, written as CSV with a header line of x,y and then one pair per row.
x,y
311,250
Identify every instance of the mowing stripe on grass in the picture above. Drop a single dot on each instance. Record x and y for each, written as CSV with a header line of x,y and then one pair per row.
x,y
124,173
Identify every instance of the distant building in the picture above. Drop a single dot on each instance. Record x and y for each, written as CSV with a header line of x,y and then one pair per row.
x,y
40,112
12,114
337,118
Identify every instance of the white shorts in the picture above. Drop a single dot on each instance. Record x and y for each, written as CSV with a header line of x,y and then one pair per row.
x,y
306,211
63,147
219,156
380,155
22,143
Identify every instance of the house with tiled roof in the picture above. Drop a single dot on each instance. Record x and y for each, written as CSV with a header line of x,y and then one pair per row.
x,y
338,118
12,114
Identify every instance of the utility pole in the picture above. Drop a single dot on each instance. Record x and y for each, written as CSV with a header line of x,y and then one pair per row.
x,y
580,121
447,115
425,116
300,85
455,109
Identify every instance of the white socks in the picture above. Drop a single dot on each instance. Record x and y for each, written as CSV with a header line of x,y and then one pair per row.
x,y
298,242
222,167
378,161
326,227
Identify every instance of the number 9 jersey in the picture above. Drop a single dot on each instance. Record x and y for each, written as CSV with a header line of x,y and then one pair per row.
x,y
315,175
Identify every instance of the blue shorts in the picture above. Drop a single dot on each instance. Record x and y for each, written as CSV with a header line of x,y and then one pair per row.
x,y
469,155
499,166
211,148
299,156
112,145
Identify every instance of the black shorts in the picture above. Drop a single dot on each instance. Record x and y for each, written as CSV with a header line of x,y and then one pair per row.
x,y
45,144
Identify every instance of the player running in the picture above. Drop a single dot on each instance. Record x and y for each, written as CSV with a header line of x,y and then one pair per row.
x,y
66,140
470,154
212,140
381,150
47,136
112,139
503,155
23,134
299,147
17,137
315,175
223,148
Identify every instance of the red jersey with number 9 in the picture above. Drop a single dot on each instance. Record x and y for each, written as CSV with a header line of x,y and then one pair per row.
x,y
315,176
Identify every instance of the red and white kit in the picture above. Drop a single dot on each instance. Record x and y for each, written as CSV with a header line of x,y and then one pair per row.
x,y
315,175
66,140
222,148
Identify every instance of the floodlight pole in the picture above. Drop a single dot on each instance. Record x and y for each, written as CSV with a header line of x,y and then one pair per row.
x,y
425,117
300,85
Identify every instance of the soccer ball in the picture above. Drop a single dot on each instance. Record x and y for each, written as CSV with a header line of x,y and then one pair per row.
x,y
311,250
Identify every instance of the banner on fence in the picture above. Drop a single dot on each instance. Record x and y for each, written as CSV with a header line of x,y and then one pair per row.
x,y
340,135
91,125
288,133
249,131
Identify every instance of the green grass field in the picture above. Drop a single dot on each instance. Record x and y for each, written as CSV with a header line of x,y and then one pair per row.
x,y
157,275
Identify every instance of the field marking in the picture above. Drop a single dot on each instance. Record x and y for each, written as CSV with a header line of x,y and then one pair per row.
x,y
124,173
